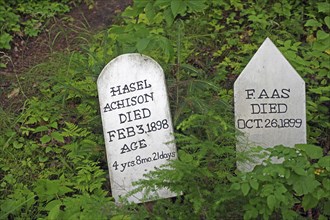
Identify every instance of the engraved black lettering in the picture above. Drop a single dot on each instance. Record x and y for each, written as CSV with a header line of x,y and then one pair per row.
x,y
272,108
113,91
154,156
249,121
257,121
140,129
263,108
275,94
127,102
125,149
123,165
107,108
133,101
111,135
139,85
137,114
132,87
240,123
112,107
134,145
263,94
126,89
255,108
285,93
142,143
120,104
134,115
267,125
146,85
121,134
250,93
140,99
150,96
125,117
282,108
130,131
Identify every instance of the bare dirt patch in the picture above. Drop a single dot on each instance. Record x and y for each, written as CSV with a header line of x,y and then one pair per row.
x,y
62,33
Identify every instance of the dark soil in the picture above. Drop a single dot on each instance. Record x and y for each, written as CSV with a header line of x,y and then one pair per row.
x,y
63,33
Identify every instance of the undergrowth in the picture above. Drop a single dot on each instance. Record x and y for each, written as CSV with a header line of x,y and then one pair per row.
x,y
23,19
53,162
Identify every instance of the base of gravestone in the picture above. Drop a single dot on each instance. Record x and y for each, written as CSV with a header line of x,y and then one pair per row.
x,y
255,156
149,206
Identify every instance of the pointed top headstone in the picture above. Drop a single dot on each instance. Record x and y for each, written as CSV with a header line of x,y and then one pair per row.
x,y
269,102
268,62
137,124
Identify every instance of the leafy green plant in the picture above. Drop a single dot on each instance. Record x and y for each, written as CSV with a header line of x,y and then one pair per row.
x,y
34,14
27,18
49,154
53,163
294,187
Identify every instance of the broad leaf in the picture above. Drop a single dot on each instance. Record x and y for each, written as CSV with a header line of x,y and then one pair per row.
x,y
254,184
327,21
57,136
312,151
150,11
271,201
245,188
325,162
52,204
5,40
40,129
235,186
142,44
196,5
178,7
323,7
45,139
303,185
168,17
313,23
309,201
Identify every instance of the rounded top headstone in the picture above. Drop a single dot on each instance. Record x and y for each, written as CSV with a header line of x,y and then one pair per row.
x,y
136,121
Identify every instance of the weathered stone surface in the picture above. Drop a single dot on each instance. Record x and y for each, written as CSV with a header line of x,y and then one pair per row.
x,y
136,120
269,103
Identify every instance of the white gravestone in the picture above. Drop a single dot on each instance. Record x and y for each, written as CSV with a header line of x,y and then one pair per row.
x,y
269,103
136,120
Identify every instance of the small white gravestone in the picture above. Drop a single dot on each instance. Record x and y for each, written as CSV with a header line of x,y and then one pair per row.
x,y
269,103
136,120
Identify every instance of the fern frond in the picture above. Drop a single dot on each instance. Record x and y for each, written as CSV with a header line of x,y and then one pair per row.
x,y
73,130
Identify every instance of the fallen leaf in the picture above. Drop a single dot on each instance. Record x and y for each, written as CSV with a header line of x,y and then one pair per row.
x,y
13,93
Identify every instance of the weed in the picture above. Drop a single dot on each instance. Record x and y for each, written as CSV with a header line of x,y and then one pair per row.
x,y
53,163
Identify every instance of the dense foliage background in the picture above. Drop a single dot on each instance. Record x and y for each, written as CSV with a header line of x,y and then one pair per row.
x,y
53,163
